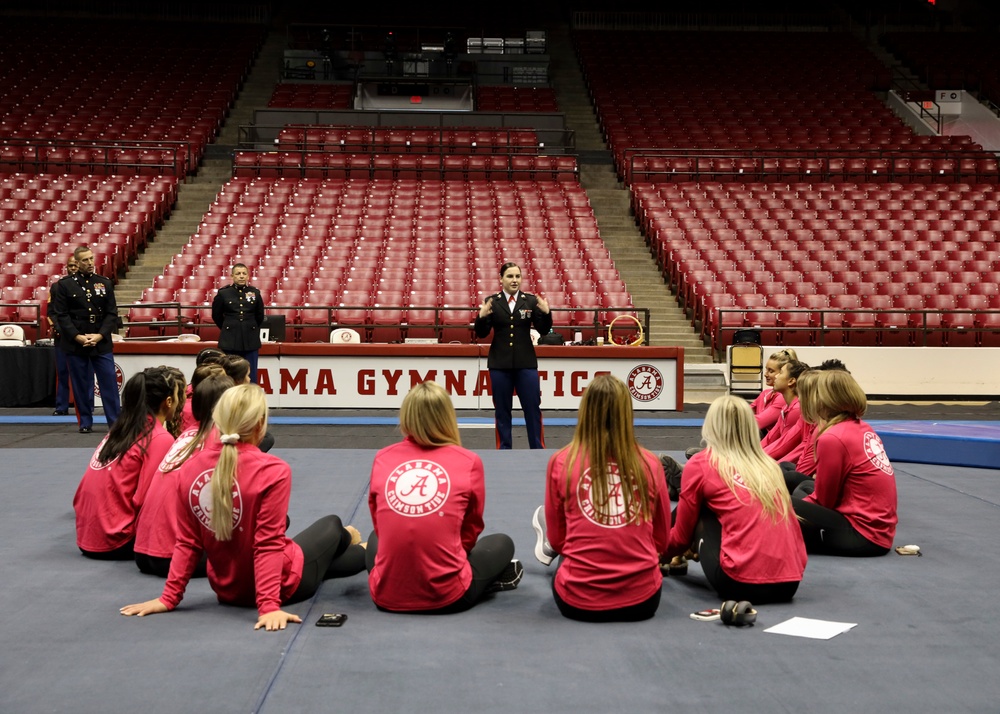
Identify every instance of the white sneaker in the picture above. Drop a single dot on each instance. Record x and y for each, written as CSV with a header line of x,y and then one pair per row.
x,y
543,551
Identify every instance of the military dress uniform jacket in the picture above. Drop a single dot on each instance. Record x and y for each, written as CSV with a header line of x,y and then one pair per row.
x,y
51,313
84,304
238,313
511,347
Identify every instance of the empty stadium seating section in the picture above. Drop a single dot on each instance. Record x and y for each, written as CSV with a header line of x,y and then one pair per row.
x,y
515,99
390,258
312,96
410,139
807,92
401,152
832,264
101,83
43,217
775,189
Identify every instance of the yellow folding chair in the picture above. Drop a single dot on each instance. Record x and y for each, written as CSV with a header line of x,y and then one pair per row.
x,y
746,368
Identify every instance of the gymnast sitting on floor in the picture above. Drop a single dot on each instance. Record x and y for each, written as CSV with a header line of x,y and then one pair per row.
x,y
233,507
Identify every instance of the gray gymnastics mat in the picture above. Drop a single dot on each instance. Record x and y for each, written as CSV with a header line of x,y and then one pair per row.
x,y
925,640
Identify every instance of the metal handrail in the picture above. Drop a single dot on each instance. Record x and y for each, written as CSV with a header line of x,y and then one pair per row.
x,y
761,171
249,139
911,92
920,321
186,318
372,169
178,150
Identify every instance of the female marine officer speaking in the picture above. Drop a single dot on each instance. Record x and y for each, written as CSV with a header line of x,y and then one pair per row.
x,y
512,362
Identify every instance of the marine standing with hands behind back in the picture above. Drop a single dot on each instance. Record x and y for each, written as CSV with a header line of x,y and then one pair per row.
x,y
238,312
86,313
62,368
511,314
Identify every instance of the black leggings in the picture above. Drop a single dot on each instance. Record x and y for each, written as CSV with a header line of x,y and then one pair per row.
x,y
327,553
792,477
488,558
632,613
828,532
160,567
122,552
708,542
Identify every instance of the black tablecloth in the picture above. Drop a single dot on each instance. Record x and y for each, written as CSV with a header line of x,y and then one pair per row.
x,y
27,376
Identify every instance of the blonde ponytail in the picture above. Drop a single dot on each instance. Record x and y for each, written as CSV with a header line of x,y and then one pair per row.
x,y
223,479
241,412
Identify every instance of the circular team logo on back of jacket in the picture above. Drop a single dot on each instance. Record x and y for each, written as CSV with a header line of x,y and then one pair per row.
x,y
200,500
94,463
612,515
417,488
176,448
876,452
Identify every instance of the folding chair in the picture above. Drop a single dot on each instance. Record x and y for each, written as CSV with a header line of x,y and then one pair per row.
x,y
746,363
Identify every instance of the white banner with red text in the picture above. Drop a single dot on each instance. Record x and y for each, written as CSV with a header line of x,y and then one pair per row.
x,y
317,376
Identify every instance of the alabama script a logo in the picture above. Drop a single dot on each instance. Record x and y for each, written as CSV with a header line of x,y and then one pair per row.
x,y
417,488
95,463
610,515
876,452
175,450
645,383
200,500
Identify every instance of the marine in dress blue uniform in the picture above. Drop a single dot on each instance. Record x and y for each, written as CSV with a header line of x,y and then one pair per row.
x,y
513,366
238,312
86,314
62,367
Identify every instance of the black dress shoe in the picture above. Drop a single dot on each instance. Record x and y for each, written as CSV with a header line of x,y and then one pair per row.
x,y
85,430
60,412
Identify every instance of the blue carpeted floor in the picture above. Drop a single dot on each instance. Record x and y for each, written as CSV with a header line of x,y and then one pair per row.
x,y
926,638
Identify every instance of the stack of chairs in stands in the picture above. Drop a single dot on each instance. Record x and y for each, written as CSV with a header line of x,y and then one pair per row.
x,y
398,232
779,193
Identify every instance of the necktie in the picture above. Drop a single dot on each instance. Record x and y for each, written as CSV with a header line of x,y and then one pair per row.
x,y
510,303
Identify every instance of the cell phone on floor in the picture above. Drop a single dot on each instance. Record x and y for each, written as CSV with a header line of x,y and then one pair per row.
x,y
706,615
335,619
